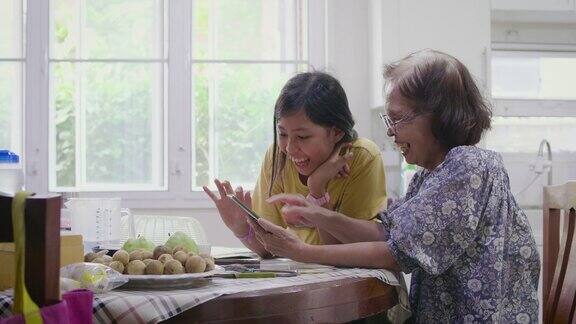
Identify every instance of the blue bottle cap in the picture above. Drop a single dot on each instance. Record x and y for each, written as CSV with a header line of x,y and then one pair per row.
x,y
8,157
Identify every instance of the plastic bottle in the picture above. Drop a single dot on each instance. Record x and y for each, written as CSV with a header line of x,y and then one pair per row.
x,y
11,176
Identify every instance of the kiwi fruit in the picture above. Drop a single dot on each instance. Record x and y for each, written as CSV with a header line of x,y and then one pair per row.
x,y
181,256
179,248
195,264
117,265
122,256
154,267
89,257
107,259
210,265
98,260
146,261
136,255
159,250
173,267
135,267
146,255
165,257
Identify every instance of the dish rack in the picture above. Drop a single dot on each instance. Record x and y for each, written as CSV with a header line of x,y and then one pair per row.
x,y
158,228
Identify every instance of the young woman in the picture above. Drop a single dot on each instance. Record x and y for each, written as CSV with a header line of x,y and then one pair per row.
x,y
458,230
317,154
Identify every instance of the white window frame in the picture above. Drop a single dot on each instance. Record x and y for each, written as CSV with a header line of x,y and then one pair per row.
x,y
159,138
532,107
179,117
17,116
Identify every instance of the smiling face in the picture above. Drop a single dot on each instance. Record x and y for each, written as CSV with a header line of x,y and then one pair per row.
x,y
413,135
307,144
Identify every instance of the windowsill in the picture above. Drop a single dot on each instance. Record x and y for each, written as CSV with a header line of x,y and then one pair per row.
x,y
157,200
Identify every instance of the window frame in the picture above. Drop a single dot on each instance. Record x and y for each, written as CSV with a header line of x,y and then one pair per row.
x,y
178,118
510,107
505,107
17,142
159,138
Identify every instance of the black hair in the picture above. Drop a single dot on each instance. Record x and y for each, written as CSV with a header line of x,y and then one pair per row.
x,y
323,100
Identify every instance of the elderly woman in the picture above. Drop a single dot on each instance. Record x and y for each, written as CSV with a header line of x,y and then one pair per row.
x,y
458,230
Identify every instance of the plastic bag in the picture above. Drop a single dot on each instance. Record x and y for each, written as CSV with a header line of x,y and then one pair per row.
x,y
67,284
93,276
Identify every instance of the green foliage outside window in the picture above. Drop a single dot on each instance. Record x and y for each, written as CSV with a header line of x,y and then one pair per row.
x,y
6,99
121,100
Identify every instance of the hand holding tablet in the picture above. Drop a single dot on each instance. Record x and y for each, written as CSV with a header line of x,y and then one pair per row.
x,y
249,212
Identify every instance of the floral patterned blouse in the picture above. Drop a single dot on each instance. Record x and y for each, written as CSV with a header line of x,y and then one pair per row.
x,y
466,242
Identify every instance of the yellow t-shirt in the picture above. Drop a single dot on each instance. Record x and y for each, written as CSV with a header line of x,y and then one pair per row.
x,y
362,194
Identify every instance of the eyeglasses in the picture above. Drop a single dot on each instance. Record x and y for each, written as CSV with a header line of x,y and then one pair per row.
x,y
391,124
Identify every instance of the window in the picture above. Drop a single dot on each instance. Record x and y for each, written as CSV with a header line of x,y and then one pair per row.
x,y
243,53
533,75
534,99
523,134
12,59
108,70
128,96
148,100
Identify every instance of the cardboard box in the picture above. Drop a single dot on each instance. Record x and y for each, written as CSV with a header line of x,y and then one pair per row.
x,y
71,251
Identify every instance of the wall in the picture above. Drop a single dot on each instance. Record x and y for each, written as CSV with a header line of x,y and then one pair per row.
x,y
400,27
347,54
534,33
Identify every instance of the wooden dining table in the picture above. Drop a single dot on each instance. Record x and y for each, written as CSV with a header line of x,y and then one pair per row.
x,y
337,301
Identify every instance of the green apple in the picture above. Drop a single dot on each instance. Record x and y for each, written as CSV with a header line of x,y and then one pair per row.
x,y
181,239
138,243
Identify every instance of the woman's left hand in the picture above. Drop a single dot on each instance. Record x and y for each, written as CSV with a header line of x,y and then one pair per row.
x,y
335,166
277,240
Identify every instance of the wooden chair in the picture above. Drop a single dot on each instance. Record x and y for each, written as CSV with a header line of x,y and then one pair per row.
x,y
42,222
559,261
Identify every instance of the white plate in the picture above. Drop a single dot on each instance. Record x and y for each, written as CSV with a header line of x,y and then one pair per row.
x,y
179,281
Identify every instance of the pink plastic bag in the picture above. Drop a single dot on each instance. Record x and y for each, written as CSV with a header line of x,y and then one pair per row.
x,y
79,304
75,308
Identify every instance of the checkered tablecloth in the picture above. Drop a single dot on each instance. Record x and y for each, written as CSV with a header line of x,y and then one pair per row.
x,y
140,306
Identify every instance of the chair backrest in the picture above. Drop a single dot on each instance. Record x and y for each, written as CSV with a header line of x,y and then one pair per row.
x,y
559,262
157,228
42,223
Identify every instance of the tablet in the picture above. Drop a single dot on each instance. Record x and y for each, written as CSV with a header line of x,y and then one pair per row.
x,y
247,210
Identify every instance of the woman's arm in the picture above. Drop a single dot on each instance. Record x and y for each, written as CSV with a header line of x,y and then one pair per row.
x,y
280,242
333,223
335,166
362,254
327,238
339,226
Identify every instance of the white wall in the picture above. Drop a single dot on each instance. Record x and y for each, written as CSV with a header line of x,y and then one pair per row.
x,y
347,54
533,33
399,27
